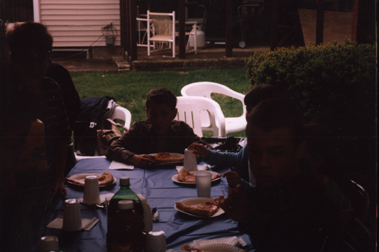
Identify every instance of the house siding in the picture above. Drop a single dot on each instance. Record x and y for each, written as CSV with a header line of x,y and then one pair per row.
x,y
78,23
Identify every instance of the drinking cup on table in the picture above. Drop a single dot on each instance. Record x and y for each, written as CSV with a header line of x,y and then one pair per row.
x,y
203,183
91,195
190,162
72,218
48,243
156,241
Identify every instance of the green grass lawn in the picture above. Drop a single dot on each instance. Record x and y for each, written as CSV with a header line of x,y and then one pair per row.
x,y
130,88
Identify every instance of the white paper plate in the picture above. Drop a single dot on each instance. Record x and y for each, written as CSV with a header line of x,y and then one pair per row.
x,y
220,248
83,177
194,201
175,178
173,155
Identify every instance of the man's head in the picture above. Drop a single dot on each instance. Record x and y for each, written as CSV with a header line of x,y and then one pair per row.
x,y
274,141
30,47
161,109
259,93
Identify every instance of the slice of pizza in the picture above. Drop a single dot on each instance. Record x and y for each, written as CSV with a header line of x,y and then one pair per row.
x,y
187,247
165,157
206,209
189,177
105,179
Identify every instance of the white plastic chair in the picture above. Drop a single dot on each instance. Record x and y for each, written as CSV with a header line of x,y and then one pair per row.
x,y
205,89
120,113
123,114
190,108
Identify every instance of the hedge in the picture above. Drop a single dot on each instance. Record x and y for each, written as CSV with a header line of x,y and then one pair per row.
x,y
333,84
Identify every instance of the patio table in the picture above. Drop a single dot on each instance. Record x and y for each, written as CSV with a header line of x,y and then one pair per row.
x,y
161,192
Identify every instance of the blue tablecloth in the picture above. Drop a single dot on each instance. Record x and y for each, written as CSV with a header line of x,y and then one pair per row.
x,y
157,187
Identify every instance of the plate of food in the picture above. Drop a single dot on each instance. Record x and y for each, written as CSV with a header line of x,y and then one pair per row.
x,y
163,158
185,177
200,207
105,179
219,247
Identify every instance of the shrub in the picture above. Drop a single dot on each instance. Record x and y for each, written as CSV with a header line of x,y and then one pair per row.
x,y
334,84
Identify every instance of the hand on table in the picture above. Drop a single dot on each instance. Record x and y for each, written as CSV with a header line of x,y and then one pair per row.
x,y
233,178
236,205
142,161
199,149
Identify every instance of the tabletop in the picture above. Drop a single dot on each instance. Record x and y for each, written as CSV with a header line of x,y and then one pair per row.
x,y
161,192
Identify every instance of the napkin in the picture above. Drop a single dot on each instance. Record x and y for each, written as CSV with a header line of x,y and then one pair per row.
x,y
103,198
234,241
120,166
87,224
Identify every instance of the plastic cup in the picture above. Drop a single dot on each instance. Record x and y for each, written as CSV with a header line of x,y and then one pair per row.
x,y
203,183
156,241
72,218
91,195
190,162
48,243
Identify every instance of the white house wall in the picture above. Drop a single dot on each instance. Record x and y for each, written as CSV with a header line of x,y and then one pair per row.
x,y
78,23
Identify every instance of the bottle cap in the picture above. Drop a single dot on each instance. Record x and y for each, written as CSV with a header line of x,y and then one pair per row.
x,y
125,204
124,181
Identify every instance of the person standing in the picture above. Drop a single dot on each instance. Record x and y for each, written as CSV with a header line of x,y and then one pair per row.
x,y
32,111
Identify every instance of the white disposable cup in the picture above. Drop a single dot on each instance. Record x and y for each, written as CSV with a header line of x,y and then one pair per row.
x,y
190,162
203,183
156,241
48,243
91,195
72,218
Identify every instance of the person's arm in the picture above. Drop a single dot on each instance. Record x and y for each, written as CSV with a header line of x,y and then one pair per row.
x,y
57,133
118,150
122,149
60,163
236,205
69,94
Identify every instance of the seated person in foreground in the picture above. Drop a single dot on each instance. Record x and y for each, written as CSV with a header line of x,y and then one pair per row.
x,y
318,156
287,210
159,133
238,160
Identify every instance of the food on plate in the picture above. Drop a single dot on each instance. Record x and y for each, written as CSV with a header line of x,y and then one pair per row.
x,y
187,247
165,157
105,179
185,176
207,208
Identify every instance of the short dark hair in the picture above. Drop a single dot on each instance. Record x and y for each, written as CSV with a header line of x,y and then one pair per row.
x,y
161,95
27,35
261,92
277,113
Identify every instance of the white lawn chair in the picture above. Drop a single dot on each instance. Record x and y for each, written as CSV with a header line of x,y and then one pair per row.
x,y
119,113
161,29
190,108
205,89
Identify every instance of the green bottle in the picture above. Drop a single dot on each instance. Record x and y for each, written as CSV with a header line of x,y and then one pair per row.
x,y
125,193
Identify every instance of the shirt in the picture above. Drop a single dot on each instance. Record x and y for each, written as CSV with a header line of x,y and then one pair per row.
x,y
293,217
140,139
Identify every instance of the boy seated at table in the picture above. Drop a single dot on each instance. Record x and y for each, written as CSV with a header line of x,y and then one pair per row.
x,y
238,160
287,210
159,133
